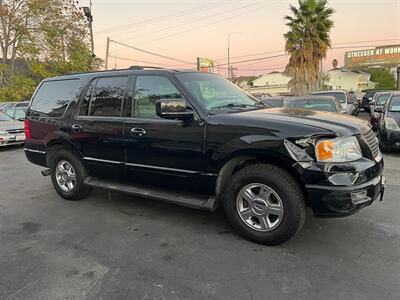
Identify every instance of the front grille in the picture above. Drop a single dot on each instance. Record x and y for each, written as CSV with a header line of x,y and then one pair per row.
x,y
372,142
14,131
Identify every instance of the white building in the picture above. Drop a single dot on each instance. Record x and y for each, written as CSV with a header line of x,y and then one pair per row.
x,y
342,79
274,83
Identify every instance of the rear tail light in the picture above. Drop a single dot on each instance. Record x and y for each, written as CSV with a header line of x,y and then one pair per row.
x,y
27,127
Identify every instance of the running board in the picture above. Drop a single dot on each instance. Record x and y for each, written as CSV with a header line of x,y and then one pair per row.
x,y
192,200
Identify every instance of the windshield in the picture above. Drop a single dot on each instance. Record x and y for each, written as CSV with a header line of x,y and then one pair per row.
x,y
338,95
274,102
382,98
369,94
217,93
4,117
315,104
395,104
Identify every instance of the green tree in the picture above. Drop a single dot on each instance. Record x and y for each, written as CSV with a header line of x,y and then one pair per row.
x,y
307,42
49,36
19,88
383,78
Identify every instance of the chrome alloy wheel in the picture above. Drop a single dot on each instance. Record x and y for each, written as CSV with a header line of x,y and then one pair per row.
x,y
259,207
65,176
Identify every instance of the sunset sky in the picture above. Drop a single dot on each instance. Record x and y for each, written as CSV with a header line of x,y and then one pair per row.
x,y
186,29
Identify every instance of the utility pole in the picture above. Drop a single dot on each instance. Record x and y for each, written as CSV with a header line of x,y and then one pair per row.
x,y
107,52
229,57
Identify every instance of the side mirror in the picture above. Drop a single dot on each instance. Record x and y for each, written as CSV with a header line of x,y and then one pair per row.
x,y
173,109
372,102
378,109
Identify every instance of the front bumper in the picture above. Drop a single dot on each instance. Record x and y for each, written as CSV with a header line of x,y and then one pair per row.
x,y
338,190
329,201
390,139
12,139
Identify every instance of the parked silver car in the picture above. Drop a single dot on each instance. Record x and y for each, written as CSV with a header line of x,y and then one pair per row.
x,y
11,131
347,100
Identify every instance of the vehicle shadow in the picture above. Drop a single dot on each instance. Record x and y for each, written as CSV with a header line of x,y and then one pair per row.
x,y
315,230
11,148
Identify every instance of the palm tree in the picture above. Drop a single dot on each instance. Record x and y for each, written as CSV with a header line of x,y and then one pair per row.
x,y
307,42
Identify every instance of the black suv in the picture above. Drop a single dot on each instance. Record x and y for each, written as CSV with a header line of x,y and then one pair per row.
x,y
197,140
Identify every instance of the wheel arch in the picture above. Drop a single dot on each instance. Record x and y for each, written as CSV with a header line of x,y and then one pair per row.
x,y
240,160
60,143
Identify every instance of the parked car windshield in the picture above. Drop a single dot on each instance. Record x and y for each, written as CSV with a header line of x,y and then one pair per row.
x,y
338,95
16,113
273,102
315,104
395,104
382,99
217,93
369,95
5,117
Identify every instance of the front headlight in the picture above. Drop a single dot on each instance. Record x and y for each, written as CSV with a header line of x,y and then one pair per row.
x,y
342,149
3,132
391,124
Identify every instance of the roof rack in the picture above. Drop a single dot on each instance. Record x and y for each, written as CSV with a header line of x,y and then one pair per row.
x,y
144,67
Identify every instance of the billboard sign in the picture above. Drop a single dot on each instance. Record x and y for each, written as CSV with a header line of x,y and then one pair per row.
x,y
386,56
205,64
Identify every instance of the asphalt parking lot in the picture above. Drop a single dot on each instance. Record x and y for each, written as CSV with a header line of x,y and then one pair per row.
x,y
114,246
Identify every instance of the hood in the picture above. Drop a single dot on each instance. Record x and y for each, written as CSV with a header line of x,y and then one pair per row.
x,y
342,125
7,125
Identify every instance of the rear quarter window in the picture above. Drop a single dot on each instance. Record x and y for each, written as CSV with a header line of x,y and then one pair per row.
x,y
53,97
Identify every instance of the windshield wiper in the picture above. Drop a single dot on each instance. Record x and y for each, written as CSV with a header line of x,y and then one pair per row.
x,y
237,105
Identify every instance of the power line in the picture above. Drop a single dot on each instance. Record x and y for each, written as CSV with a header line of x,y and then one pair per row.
x,y
208,24
139,61
162,17
255,59
179,24
333,48
370,41
151,53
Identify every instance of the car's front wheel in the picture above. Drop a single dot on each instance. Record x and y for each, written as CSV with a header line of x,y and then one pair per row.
x,y
265,204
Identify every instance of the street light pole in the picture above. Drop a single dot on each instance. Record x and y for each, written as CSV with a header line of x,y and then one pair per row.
x,y
88,14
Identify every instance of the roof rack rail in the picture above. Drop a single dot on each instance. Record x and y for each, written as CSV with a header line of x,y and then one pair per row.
x,y
144,67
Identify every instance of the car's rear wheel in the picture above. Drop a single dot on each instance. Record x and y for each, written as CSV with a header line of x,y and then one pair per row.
x,y
265,204
68,174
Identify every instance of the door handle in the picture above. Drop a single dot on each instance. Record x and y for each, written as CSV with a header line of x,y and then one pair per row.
x,y
138,131
76,128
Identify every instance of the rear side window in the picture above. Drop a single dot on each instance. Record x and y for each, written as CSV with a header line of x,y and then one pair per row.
x,y
53,97
104,98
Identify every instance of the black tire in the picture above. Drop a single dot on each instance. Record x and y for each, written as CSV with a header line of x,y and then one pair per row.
x,y
284,185
80,190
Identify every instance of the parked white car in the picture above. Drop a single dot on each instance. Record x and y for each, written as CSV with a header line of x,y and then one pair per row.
x,y
11,131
